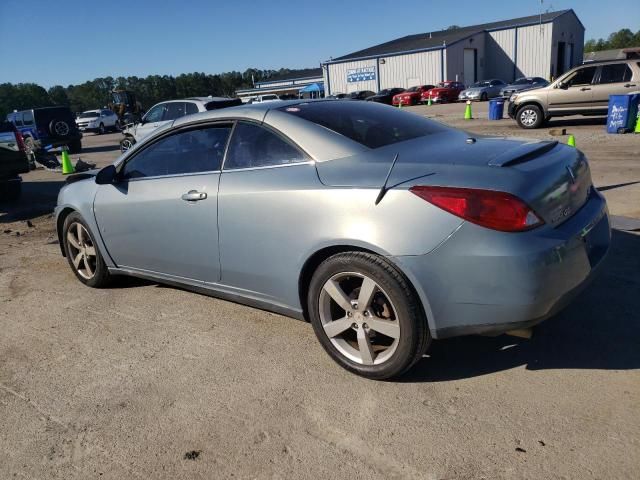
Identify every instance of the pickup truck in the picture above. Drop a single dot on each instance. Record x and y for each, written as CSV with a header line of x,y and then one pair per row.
x,y
13,162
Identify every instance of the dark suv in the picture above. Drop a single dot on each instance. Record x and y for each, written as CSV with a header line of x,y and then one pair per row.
x,y
41,127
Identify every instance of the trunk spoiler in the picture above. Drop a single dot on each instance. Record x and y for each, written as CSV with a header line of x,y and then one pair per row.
x,y
522,153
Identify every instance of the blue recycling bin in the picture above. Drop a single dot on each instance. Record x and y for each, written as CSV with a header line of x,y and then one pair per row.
x,y
496,109
623,112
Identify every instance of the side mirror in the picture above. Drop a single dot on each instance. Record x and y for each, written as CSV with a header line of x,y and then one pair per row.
x,y
107,175
563,85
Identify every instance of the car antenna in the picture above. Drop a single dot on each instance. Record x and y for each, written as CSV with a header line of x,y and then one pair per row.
x,y
384,188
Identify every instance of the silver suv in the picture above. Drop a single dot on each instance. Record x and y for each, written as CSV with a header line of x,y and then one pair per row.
x,y
164,113
583,90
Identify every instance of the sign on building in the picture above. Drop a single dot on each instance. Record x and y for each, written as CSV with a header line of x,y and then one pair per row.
x,y
361,74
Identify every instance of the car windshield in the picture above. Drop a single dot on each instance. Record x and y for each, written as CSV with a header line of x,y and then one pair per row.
x,y
386,91
412,89
367,123
480,84
444,85
88,115
523,81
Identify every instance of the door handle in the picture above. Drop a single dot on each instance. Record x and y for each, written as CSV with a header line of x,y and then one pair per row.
x,y
630,85
584,89
193,196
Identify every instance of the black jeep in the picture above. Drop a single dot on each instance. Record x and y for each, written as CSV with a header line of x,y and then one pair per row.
x,y
47,126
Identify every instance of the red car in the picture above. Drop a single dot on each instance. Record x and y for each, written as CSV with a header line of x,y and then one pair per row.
x,y
411,96
444,92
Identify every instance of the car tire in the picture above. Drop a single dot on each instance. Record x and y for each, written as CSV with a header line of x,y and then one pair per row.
x,y
530,117
82,252
75,146
59,128
127,143
352,336
101,129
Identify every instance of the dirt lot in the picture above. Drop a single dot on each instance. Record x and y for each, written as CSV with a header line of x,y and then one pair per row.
x,y
145,381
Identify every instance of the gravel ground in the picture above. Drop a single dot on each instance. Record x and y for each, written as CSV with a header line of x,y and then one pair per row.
x,y
146,381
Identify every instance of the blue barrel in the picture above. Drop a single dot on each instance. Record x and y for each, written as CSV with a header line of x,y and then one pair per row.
x,y
496,109
623,110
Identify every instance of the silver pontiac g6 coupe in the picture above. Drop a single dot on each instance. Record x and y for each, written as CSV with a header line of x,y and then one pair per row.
x,y
382,228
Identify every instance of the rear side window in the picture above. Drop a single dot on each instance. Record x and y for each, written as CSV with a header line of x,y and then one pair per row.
x,y
193,151
255,146
191,108
27,119
584,76
367,123
174,110
617,73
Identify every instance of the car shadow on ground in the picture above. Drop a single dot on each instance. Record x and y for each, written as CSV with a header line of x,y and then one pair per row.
x,y
99,148
599,330
38,198
575,122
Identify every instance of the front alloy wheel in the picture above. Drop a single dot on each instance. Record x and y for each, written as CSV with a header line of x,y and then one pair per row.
x,y
366,315
83,256
529,116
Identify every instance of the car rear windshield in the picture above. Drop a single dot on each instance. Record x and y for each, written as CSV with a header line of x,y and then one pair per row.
x,y
367,123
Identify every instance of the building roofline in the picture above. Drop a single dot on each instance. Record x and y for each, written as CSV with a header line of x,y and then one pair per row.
x,y
426,49
287,79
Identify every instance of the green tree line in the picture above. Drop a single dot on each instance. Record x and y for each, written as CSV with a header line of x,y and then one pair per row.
x,y
621,39
149,90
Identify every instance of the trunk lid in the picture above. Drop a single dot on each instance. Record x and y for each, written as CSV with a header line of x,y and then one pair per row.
x,y
552,178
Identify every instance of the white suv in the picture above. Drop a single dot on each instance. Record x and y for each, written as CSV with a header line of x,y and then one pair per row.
x,y
164,113
98,121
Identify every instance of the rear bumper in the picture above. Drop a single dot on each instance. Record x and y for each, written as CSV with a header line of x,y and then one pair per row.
x,y
482,281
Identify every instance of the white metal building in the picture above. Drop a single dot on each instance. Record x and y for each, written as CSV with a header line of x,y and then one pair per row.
x,y
543,45
289,84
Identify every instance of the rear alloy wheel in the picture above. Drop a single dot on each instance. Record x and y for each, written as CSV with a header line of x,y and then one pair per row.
x,y
529,116
83,256
366,316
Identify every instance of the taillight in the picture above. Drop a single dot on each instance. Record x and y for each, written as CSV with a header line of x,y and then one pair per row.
x,y
20,141
496,210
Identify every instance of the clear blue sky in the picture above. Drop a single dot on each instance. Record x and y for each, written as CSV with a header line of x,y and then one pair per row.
x,y
70,41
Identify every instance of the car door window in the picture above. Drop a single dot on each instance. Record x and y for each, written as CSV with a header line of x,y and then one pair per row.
x,y
27,119
616,73
191,108
584,76
155,114
255,146
174,110
192,151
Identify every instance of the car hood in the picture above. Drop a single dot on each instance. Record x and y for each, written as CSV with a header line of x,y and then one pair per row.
x,y
517,87
87,119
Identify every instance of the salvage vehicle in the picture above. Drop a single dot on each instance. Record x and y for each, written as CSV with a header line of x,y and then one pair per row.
x,y
381,227
99,121
522,84
583,90
411,96
13,162
164,113
483,90
385,96
47,127
444,92
125,104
